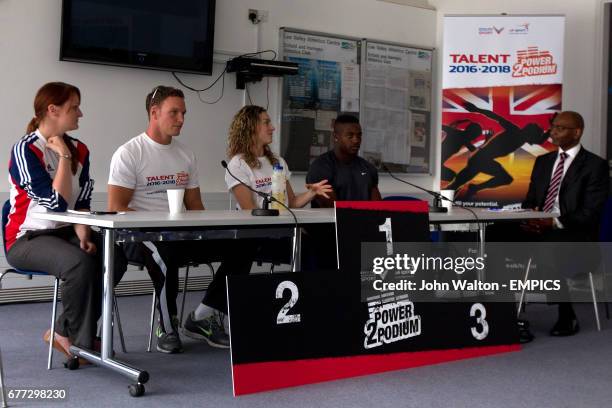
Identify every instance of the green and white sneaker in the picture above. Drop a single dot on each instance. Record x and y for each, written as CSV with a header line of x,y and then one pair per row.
x,y
169,343
207,329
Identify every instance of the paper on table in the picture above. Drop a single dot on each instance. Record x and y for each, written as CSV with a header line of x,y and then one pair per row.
x,y
78,212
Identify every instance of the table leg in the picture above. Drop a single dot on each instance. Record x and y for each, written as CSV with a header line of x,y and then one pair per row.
x,y
107,300
105,359
297,249
482,228
2,385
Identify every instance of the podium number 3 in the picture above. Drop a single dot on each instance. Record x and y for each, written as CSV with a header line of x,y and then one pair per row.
x,y
480,320
283,315
386,228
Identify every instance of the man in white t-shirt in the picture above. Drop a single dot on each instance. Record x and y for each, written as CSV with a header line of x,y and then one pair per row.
x,y
141,172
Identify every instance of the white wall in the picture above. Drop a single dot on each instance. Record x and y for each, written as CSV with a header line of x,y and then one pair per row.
x,y
113,97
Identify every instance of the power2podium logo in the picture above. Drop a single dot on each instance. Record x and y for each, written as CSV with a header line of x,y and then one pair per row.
x,y
390,322
533,62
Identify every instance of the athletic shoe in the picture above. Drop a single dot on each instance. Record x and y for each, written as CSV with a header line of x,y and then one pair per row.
x,y
169,343
207,329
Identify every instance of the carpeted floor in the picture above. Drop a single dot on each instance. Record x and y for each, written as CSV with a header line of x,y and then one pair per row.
x,y
549,372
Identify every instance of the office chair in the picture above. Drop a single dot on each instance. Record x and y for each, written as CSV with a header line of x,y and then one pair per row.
x,y
401,198
6,208
605,235
275,251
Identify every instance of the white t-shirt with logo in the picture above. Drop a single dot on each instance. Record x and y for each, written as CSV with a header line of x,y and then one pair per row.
x,y
259,179
150,168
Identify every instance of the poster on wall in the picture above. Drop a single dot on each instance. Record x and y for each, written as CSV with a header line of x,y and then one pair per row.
x,y
502,84
327,84
396,113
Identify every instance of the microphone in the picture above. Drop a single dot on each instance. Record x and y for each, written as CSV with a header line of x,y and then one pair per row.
x,y
265,211
267,198
436,206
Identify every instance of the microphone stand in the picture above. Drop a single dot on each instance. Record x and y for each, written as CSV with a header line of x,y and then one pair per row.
x,y
436,206
265,211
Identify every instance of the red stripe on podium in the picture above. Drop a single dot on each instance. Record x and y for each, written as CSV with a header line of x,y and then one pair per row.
x,y
257,377
415,206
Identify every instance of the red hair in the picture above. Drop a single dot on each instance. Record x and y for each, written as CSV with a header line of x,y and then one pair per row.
x,y
54,93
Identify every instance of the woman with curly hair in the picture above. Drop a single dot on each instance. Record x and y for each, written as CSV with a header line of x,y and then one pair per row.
x,y
252,161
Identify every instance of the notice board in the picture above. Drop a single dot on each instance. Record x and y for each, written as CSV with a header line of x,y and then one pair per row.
x,y
388,86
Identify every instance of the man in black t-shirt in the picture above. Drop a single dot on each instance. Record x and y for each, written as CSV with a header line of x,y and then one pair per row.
x,y
352,177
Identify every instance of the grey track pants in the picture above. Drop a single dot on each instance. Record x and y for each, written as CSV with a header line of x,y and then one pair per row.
x,y
57,252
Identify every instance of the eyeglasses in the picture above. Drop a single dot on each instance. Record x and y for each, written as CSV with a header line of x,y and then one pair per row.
x,y
154,93
561,128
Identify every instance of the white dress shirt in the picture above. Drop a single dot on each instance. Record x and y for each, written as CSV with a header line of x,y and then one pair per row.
x,y
571,155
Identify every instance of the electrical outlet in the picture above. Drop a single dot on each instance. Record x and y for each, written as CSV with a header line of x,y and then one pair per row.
x,y
263,15
258,16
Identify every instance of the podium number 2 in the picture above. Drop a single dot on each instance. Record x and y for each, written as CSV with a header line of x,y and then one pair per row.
x,y
386,228
480,320
283,315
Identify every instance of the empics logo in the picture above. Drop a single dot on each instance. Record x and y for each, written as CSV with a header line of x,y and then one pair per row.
x,y
533,62
391,322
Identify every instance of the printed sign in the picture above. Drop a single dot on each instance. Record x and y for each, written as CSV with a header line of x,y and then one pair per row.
x,y
502,83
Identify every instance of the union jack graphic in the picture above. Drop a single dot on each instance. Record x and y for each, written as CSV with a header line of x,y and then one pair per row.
x,y
520,105
504,178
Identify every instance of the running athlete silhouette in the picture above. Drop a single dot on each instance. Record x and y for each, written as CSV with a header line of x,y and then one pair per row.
x,y
499,145
454,140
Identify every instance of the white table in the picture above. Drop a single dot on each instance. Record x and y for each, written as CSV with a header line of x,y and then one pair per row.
x,y
207,224
483,216
125,227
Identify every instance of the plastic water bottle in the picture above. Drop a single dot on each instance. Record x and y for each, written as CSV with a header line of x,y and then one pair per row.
x,y
279,185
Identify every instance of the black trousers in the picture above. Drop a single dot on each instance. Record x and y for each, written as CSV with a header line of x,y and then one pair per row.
x,y
58,253
163,260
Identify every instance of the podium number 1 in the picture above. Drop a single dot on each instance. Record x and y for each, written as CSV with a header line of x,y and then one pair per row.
x,y
283,315
386,228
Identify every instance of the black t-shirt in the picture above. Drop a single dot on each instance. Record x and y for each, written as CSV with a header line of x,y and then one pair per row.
x,y
352,181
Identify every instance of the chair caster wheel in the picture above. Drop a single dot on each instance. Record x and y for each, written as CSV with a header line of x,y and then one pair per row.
x,y
136,390
72,363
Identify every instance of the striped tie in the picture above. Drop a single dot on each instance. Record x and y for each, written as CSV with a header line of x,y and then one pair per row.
x,y
555,183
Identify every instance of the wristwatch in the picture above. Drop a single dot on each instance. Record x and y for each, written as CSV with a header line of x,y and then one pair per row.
x,y
65,156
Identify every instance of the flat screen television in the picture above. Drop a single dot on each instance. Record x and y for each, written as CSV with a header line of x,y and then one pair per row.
x,y
174,35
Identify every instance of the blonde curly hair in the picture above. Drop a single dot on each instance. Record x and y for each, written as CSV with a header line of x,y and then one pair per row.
x,y
243,136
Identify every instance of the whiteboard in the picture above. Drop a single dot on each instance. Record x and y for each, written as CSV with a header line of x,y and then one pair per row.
x,y
388,86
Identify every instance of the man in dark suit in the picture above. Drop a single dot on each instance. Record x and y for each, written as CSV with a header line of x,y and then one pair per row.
x,y
574,183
